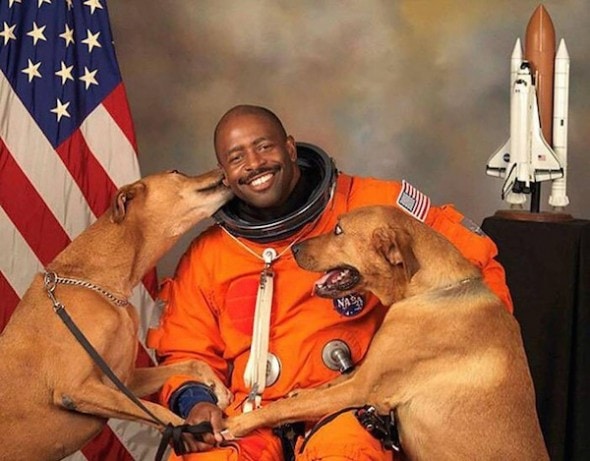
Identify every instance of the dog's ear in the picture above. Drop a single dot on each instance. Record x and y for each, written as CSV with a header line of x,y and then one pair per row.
x,y
395,245
124,195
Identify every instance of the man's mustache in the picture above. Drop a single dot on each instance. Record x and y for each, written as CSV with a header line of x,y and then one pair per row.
x,y
258,172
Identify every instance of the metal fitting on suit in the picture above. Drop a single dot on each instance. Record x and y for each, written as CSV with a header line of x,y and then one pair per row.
x,y
336,356
273,369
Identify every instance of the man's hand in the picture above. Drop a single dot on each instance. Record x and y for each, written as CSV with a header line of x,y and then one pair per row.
x,y
204,411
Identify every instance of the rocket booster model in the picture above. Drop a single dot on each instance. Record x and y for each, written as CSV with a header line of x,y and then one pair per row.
x,y
558,198
539,84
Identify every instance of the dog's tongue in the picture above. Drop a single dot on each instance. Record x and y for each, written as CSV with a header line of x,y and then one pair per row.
x,y
329,278
322,280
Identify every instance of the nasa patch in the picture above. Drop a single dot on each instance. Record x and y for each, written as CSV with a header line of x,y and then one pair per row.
x,y
349,305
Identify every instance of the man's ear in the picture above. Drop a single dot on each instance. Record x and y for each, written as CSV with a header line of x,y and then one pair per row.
x,y
224,180
292,148
395,245
121,201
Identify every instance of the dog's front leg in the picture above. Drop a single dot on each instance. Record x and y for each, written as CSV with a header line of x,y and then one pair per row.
x,y
337,380
309,405
101,400
146,381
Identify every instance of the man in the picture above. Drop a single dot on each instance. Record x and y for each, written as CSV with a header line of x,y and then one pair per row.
x,y
240,303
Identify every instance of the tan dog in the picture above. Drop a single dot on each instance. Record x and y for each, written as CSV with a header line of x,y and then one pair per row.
x,y
53,398
448,357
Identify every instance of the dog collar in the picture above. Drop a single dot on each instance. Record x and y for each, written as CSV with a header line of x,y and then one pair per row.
x,y
51,279
308,157
460,283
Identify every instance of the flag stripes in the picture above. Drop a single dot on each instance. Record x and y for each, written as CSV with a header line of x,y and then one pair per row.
x,y
94,182
116,104
29,147
413,201
32,216
17,264
104,136
10,297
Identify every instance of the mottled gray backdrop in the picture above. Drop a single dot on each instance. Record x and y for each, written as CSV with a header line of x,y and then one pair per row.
x,y
414,89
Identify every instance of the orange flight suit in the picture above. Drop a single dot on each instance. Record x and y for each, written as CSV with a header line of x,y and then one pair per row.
x,y
210,311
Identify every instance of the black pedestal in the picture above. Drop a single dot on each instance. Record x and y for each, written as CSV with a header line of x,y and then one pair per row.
x,y
548,272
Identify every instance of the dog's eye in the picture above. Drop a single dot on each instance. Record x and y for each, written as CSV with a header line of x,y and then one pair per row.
x,y
338,230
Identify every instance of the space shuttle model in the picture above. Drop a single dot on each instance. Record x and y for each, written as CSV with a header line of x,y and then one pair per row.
x,y
537,148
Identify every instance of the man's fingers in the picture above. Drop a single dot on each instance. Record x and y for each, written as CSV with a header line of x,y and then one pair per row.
x,y
205,412
209,439
195,446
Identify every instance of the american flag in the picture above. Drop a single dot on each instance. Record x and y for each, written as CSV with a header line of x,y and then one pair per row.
x,y
66,145
413,201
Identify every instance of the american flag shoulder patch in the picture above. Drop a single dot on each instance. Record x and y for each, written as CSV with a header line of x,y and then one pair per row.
x,y
412,201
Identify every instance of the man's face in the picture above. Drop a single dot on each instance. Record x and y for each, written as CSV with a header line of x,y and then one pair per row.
x,y
258,160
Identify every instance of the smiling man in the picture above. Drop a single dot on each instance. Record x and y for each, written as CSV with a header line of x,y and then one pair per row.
x,y
258,157
240,303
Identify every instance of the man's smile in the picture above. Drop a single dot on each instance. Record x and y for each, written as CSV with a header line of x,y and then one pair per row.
x,y
261,180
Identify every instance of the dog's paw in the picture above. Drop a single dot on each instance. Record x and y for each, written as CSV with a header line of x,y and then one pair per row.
x,y
234,427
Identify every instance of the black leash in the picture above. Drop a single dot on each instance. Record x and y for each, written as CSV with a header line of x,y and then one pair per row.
x,y
383,428
321,423
171,434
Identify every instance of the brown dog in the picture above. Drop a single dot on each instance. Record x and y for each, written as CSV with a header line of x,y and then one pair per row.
x,y
448,358
53,398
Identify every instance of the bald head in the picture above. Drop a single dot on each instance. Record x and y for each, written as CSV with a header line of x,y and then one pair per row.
x,y
245,110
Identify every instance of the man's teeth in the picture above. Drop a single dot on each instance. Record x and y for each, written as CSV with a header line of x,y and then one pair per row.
x,y
261,180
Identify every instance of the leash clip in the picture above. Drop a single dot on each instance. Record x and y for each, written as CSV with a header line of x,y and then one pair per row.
x,y
383,428
50,282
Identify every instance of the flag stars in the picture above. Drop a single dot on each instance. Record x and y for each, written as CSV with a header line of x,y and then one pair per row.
x,y
32,70
91,40
61,109
70,4
65,73
93,5
37,33
40,2
68,35
8,33
89,77
12,2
